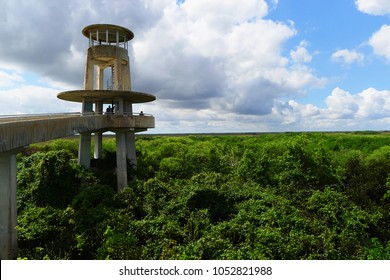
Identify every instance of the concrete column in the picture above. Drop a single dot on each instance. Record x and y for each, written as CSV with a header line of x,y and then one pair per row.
x,y
85,149
99,107
100,78
121,105
118,78
98,143
88,80
128,108
130,147
126,76
98,136
121,161
87,107
89,70
8,210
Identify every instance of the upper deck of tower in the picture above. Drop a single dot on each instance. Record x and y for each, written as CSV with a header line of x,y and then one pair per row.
x,y
108,34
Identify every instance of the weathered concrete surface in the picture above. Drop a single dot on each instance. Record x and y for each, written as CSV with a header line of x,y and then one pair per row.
x,y
8,234
121,159
92,30
105,96
84,157
15,135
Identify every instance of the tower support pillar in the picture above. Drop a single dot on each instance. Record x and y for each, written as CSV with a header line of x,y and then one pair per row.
x,y
98,143
85,149
121,159
8,209
130,147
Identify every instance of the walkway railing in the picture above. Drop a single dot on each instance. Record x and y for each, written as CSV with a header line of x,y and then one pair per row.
x,y
24,117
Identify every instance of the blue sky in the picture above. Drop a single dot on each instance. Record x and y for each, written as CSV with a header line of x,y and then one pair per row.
x,y
330,26
214,65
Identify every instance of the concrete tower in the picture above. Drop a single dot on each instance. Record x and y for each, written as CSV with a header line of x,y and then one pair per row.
x,y
107,83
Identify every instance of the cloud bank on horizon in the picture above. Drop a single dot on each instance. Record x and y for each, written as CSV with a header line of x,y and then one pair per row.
x,y
214,65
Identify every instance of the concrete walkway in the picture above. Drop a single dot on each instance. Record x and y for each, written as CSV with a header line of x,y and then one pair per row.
x,y
17,133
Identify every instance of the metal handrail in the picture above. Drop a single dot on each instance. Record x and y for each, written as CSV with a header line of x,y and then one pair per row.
x,y
67,113
38,115
20,117
120,114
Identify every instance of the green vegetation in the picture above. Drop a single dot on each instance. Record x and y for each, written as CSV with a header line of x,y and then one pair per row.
x,y
271,196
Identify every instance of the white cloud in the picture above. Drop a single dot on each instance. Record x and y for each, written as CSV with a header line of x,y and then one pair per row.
x,y
301,54
374,104
222,55
221,13
380,42
368,109
341,104
370,104
373,7
9,79
348,56
29,99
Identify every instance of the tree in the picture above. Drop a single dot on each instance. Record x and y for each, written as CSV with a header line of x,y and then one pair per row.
x,y
50,179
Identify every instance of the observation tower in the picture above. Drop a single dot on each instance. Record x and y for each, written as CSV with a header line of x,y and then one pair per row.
x,y
107,93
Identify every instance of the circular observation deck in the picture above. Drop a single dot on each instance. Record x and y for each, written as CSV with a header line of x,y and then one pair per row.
x,y
107,34
105,96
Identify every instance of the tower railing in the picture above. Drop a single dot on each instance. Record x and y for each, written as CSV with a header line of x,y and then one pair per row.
x,y
26,117
102,38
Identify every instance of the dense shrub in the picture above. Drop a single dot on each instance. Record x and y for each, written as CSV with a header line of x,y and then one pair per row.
x,y
275,196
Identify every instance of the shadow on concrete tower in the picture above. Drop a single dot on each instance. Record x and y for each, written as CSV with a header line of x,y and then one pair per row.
x,y
107,83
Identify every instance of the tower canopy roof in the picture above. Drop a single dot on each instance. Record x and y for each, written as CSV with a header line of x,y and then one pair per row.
x,y
107,32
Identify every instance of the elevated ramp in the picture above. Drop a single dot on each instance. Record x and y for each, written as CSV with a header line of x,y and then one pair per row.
x,y
18,132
